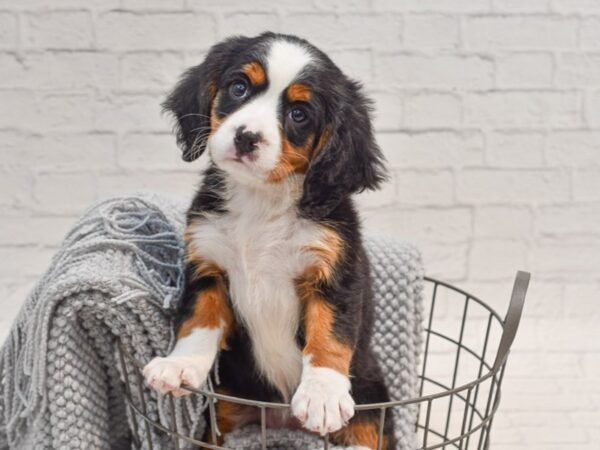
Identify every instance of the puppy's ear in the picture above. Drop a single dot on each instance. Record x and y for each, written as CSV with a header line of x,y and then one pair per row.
x,y
191,102
348,159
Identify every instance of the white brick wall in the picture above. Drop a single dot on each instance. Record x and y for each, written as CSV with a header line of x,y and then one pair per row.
x,y
488,112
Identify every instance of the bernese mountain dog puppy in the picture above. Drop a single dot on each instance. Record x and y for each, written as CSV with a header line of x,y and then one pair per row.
x,y
278,285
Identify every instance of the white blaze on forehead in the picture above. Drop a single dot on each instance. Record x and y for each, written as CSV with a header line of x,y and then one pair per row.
x,y
285,62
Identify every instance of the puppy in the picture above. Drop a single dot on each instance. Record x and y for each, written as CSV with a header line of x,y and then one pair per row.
x,y
278,285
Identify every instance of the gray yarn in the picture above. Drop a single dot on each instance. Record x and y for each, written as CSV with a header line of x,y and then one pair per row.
x,y
118,275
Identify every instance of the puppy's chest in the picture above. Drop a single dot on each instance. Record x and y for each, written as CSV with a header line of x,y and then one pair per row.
x,y
263,257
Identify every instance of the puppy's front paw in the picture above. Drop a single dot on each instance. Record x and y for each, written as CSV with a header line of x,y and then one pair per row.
x,y
169,373
322,402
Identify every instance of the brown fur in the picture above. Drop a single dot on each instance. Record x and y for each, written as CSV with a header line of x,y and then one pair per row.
x,y
360,433
293,160
255,73
325,349
298,93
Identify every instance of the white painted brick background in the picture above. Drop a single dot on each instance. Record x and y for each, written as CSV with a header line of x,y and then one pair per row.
x,y
488,112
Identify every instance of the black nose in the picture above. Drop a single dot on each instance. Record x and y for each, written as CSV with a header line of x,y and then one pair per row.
x,y
246,141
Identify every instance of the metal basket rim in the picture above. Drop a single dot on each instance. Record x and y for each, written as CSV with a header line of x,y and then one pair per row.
x,y
515,308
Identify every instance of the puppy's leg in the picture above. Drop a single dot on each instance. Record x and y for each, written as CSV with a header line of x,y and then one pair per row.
x,y
201,330
322,401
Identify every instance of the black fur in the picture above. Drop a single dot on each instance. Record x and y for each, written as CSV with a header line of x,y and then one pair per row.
x,y
349,162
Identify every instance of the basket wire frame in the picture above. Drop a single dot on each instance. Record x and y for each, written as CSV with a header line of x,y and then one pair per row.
x,y
452,415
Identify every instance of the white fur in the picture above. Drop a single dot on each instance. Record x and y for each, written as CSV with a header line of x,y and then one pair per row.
x,y
322,402
188,363
285,61
259,243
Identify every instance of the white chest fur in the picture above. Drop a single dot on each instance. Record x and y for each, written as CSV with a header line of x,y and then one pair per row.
x,y
260,242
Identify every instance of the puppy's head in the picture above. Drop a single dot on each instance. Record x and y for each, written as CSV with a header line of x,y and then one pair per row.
x,y
272,108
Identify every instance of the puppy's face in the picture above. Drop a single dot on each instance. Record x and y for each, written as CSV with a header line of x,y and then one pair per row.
x,y
264,116
273,107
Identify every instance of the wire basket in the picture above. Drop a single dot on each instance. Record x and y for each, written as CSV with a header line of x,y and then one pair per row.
x,y
460,376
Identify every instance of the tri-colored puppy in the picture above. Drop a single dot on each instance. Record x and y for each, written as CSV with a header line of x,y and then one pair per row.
x,y
278,283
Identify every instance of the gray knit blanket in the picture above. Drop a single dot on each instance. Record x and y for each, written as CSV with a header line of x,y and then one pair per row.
x,y
117,278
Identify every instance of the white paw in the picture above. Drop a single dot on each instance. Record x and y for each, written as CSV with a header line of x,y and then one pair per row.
x,y
169,373
322,402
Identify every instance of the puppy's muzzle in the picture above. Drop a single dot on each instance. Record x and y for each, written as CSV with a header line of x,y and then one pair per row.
x,y
246,142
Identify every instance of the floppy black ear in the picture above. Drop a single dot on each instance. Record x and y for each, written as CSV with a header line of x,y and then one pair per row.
x,y
191,101
350,160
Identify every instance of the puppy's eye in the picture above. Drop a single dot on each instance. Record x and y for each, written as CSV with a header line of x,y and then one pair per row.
x,y
238,89
298,115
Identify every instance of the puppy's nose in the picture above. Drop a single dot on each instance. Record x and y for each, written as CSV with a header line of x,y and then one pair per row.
x,y
246,141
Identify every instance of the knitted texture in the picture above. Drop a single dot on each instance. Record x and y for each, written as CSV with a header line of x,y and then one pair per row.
x,y
117,277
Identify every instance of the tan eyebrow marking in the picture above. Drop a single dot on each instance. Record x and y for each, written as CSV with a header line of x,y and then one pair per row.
x,y
298,92
255,73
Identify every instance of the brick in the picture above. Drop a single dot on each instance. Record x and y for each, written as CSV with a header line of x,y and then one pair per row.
x,y
431,31
521,32
62,70
24,262
522,70
21,230
503,222
569,219
343,5
432,5
141,71
67,112
578,69
581,301
131,112
590,33
19,109
482,186
545,299
544,366
577,6
522,109
388,113
160,5
331,31
15,188
66,152
152,151
252,24
425,187
586,185
432,149
439,226
64,193
354,63
592,108
444,261
123,30
441,71
58,29
12,71
96,5
433,109
519,6
9,30
515,149
257,5
564,259
573,148
496,259
177,185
